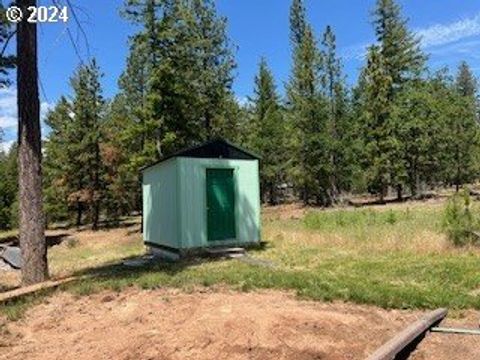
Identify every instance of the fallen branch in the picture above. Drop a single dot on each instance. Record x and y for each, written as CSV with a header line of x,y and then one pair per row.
x,y
27,290
400,346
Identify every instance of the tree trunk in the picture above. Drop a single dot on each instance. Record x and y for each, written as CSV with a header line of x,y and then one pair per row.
x,y
96,215
96,185
305,196
399,192
79,214
272,193
383,192
31,217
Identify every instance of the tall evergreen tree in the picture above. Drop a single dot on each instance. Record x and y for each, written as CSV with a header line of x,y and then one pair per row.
x,y
403,58
139,136
465,136
88,108
466,83
399,59
340,127
308,117
191,85
298,22
376,126
216,64
188,90
61,172
74,146
419,113
267,133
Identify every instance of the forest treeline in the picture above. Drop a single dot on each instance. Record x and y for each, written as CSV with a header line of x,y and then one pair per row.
x,y
402,127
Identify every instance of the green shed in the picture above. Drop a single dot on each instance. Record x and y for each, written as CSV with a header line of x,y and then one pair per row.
x,y
205,196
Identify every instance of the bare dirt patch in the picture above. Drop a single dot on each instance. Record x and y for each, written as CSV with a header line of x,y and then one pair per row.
x,y
169,325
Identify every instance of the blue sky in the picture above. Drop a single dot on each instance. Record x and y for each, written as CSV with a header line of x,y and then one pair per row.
x,y
450,30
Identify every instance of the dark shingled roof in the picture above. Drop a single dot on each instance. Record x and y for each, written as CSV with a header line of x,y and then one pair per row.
x,y
213,149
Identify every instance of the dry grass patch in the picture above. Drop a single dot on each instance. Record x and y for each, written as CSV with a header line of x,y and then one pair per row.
x,y
390,257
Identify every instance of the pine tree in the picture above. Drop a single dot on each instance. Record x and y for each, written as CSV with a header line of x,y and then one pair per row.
x,y
216,64
122,157
464,127
298,22
403,58
375,120
399,59
340,127
191,85
187,93
61,170
74,156
88,108
419,111
31,215
267,133
134,86
146,14
466,83
308,120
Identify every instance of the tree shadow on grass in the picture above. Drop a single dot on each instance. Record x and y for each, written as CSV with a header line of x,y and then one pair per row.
x,y
118,276
119,271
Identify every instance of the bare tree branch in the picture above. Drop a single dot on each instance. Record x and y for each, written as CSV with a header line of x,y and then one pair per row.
x,y
10,37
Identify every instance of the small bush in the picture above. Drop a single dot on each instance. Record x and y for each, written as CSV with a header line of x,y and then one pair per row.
x,y
460,221
391,218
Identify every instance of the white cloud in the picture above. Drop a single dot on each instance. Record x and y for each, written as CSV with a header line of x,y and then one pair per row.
x,y
8,109
243,100
6,145
442,34
436,38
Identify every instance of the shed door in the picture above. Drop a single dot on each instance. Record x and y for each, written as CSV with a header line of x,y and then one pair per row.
x,y
220,204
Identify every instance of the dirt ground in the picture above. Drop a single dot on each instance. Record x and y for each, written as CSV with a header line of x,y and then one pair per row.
x,y
206,324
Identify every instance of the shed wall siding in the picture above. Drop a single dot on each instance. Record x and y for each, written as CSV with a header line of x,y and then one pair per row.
x,y
192,200
160,204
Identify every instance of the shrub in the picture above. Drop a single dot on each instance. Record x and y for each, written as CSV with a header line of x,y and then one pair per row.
x,y
460,222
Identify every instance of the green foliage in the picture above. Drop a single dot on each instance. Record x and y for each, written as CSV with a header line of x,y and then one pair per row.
x,y
399,129
74,165
308,118
399,46
341,128
267,133
379,141
395,63
8,189
298,22
174,92
460,220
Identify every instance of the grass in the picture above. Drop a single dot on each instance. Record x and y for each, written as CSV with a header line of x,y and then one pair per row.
x,y
7,235
393,257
